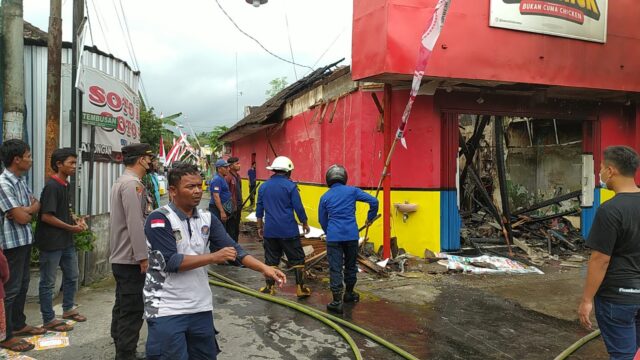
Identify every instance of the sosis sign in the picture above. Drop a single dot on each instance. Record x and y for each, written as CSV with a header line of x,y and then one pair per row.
x,y
113,108
577,19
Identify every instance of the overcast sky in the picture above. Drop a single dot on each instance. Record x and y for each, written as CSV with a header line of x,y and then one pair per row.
x,y
186,50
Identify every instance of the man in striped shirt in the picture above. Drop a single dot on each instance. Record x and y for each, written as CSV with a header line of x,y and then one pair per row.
x,y
17,207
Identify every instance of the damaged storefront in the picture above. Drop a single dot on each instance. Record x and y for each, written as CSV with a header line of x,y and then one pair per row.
x,y
517,119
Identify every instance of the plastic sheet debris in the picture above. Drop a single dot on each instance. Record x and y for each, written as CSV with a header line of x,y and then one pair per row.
x,y
486,265
313,233
383,263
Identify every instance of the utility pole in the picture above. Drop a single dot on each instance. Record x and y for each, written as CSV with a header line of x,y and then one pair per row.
x,y
13,104
76,103
1,67
54,65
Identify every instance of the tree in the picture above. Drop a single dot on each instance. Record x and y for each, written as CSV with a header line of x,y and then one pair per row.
x,y
277,85
152,127
212,138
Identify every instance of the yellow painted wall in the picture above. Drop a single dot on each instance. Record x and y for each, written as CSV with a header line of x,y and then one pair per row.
x,y
420,232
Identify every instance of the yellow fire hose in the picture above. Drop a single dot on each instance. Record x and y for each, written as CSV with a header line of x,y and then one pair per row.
x,y
328,319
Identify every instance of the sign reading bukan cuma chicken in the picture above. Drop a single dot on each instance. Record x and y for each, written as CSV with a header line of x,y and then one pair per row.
x,y
577,19
114,108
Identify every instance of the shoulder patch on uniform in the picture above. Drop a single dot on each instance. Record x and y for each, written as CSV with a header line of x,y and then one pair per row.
x,y
157,223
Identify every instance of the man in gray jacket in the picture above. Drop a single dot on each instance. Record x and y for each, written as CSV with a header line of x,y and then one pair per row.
x,y
130,205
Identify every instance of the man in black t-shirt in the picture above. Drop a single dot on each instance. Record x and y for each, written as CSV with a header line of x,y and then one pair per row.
x,y
54,238
613,275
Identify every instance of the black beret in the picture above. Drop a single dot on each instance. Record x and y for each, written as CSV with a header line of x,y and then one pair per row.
x,y
136,150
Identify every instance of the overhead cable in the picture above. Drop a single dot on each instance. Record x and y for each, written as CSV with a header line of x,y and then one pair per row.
x,y
256,41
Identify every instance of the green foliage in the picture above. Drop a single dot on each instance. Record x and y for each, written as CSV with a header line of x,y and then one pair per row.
x,y
212,138
84,240
151,127
277,85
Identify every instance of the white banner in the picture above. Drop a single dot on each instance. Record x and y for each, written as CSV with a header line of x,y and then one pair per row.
x,y
577,19
112,103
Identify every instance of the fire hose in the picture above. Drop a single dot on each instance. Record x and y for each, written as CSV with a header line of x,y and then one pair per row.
x,y
328,319
578,344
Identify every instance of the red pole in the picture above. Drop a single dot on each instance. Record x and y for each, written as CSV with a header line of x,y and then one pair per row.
x,y
386,210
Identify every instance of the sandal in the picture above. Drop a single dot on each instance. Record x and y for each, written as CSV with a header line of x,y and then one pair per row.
x,y
17,345
75,317
58,326
30,331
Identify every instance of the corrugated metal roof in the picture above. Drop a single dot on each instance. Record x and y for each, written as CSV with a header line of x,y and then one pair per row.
x,y
35,72
263,116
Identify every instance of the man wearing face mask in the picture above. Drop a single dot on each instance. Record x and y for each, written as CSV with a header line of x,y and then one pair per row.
x,y
613,275
130,206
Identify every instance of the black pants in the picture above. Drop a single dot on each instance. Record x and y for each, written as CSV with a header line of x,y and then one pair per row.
x,y
274,247
252,194
234,225
227,224
16,288
342,257
126,320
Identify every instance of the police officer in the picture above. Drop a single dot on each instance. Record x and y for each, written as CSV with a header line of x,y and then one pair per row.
x,y
337,216
278,199
130,205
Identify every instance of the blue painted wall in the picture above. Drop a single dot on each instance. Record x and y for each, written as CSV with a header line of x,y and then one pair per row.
x,y
589,213
450,221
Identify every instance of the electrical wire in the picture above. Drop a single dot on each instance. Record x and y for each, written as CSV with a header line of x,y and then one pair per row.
x,y
256,41
86,6
329,47
104,36
130,48
286,21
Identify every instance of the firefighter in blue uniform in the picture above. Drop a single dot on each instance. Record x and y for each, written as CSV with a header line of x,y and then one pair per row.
x,y
337,216
278,199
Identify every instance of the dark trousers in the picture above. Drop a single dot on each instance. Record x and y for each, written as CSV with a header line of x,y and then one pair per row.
x,y
126,317
274,247
227,224
342,257
234,225
620,327
182,337
16,288
252,194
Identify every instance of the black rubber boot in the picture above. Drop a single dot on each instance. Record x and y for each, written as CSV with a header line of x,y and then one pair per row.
x,y
351,296
301,290
336,305
270,288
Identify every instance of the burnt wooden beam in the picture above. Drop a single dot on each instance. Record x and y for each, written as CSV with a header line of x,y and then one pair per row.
x,y
502,179
549,202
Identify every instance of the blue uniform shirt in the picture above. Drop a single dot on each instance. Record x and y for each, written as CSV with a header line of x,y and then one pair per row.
x,y
337,211
219,186
163,239
278,198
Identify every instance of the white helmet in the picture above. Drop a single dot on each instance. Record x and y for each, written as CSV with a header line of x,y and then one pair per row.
x,y
281,163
